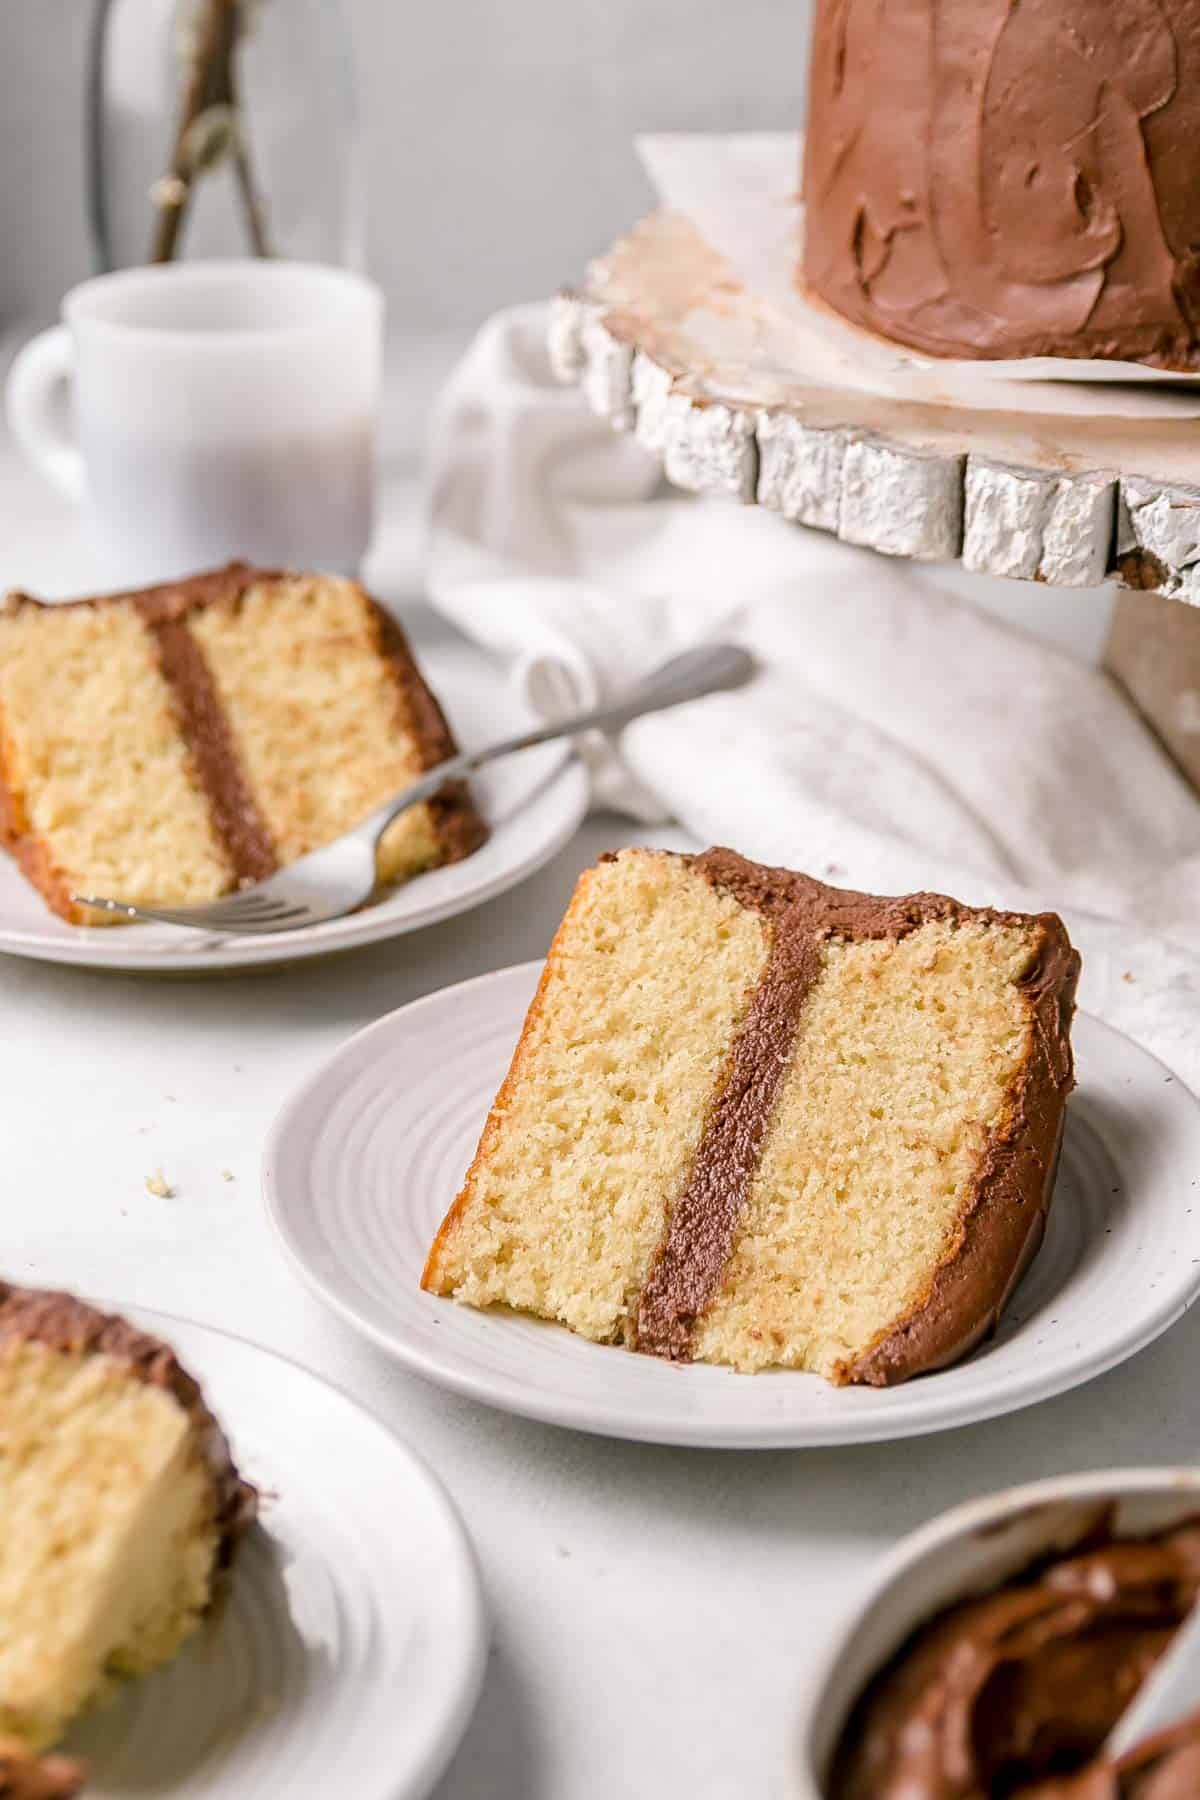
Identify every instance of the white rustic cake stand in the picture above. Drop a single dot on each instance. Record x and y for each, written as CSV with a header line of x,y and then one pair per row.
x,y
1049,482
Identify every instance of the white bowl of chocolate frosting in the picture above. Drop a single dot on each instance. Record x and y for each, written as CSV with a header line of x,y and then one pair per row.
x,y
996,1647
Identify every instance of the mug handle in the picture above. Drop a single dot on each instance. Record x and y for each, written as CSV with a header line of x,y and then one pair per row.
x,y
37,369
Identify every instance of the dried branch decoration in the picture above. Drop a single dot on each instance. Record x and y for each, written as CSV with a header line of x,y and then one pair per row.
x,y
210,130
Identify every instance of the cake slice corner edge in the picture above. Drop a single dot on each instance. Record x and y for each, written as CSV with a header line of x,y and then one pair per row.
x,y
459,827
27,849
438,1276
1002,1223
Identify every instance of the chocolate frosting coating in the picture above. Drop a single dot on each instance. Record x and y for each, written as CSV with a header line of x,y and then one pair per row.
x,y
991,178
63,1323
1014,1694
1004,1219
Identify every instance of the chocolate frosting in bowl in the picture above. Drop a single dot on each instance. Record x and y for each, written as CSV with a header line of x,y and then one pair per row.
x,y
1014,1694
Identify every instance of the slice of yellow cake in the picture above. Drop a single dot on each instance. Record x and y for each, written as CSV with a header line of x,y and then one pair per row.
x,y
177,743
755,1120
121,1510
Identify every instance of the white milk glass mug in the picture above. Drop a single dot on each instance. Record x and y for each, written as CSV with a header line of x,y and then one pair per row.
x,y
221,409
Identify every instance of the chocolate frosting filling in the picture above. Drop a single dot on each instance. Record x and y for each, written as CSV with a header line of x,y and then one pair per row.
x,y
1004,1220
457,824
72,1327
687,1270
990,179
1014,1694
236,820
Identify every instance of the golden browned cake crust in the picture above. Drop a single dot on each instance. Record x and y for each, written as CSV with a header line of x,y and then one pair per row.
x,y
194,716
28,851
738,1265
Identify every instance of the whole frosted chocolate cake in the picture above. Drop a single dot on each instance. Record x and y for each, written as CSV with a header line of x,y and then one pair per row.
x,y
988,178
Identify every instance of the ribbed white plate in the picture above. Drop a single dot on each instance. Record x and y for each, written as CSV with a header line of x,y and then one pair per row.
x,y
348,1655
364,1160
532,802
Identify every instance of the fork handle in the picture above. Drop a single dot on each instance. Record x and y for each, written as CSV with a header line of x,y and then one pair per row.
x,y
708,669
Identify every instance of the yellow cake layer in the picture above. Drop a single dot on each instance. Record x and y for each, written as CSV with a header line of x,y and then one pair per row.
x,y
905,1056
606,1099
94,757
109,1539
315,715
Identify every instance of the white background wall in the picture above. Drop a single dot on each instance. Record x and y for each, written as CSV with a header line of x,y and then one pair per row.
x,y
498,132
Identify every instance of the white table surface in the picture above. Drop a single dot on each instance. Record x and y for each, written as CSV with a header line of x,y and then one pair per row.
x,y
652,1608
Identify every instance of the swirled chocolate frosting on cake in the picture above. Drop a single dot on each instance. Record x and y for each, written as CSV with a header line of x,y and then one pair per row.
x,y
1008,178
1014,1694
756,1120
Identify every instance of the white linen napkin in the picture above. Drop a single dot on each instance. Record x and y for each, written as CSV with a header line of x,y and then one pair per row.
x,y
894,739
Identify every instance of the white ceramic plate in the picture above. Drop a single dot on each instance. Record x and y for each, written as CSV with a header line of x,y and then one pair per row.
x,y
532,802
364,1160
349,1653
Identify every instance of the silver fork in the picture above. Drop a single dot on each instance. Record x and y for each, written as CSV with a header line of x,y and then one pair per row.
x,y
338,878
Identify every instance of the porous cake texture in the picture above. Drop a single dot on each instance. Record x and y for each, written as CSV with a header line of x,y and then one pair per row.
x,y
121,1508
177,743
755,1120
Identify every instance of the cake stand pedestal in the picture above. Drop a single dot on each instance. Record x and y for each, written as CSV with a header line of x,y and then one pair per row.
x,y
1054,482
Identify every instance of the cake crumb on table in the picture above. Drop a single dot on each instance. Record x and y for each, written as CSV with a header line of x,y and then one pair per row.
x,y
228,1175
159,1185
